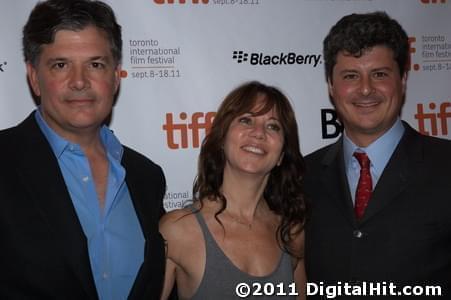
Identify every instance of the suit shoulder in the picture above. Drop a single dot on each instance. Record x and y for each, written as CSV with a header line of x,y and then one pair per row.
x,y
317,155
436,149
136,159
429,144
10,139
435,142
8,133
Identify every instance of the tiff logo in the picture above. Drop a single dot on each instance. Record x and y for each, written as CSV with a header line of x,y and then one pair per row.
x,y
1,66
240,56
412,50
177,134
180,1
443,115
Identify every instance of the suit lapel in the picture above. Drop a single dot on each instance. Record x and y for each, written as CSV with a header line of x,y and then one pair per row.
x,y
396,175
40,170
335,182
138,194
149,280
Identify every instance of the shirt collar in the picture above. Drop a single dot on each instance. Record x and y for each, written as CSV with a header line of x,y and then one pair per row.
x,y
112,144
380,151
59,144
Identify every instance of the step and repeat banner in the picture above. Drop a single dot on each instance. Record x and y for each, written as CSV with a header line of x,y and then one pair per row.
x,y
181,58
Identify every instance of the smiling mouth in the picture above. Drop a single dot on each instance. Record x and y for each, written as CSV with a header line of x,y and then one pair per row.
x,y
253,149
366,104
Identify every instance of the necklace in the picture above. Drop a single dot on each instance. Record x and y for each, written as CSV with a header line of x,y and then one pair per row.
x,y
238,221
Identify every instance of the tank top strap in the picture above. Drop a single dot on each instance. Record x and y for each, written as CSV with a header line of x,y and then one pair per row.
x,y
209,240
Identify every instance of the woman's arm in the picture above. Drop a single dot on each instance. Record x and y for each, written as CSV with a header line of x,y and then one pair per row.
x,y
299,275
169,278
169,275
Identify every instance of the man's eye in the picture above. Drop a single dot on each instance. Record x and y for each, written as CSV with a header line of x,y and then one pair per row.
x,y
350,76
380,74
59,65
97,65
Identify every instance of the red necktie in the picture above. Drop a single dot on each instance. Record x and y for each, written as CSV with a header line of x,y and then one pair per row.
x,y
365,185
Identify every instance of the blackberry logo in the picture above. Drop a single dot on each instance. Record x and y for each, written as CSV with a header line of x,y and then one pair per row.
x,y
1,66
289,58
240,56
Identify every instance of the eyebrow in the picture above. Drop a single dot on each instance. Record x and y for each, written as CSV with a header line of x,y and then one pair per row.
x,y
254,115
382,69
56,59
372,70
93,58
275,119
104,58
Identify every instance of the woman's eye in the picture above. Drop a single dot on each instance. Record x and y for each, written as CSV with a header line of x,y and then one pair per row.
x,y
245,120
274,127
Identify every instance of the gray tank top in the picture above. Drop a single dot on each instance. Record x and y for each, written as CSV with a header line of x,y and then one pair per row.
x,y
221,276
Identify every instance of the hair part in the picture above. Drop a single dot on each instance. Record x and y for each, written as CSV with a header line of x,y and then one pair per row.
x,y
284,189
49,17
356,33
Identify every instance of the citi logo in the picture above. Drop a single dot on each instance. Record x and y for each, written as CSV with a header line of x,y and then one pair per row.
x,y
179,133
434,118
290,58
2,66
180,1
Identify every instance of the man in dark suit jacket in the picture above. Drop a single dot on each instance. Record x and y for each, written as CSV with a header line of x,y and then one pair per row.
x,y
387,221
79,211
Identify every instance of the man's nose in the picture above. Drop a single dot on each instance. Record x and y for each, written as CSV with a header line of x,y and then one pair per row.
x,y
79,79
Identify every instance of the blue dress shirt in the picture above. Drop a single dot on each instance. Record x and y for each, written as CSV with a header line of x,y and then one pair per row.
x,y
114,235
379,152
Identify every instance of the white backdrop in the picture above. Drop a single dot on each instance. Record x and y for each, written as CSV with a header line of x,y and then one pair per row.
x,y
181,59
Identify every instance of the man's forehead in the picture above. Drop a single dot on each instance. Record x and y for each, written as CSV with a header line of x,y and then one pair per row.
x,y
364,51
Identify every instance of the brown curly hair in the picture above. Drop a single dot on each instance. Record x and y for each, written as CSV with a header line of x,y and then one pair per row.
x,y
284,190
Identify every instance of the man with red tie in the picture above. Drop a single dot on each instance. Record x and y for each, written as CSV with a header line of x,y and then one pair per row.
x,y
381,195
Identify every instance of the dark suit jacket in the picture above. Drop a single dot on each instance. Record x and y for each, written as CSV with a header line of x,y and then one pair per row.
x,y
405,234
43,250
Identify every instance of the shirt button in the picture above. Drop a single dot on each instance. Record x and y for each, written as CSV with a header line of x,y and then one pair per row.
x,y
105,275
357,234
85,179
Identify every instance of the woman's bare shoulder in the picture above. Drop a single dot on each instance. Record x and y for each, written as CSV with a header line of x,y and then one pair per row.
x,y
177,222
182,234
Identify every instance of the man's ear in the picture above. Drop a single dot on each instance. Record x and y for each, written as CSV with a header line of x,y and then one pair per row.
x,y
330,87
404,83
117,77
32,75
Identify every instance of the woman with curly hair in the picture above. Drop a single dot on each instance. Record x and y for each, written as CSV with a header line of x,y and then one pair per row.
x,y
246,222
